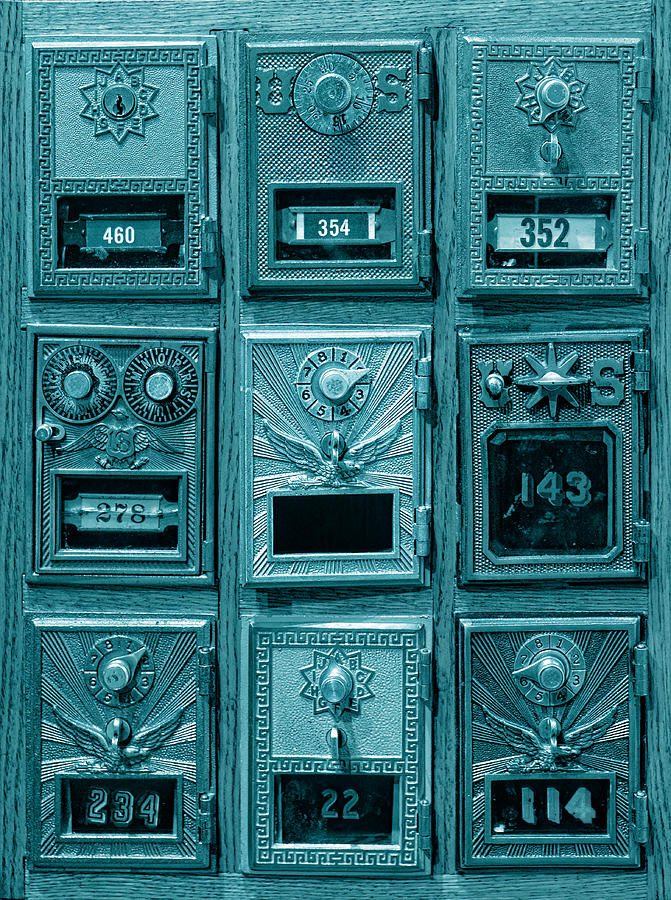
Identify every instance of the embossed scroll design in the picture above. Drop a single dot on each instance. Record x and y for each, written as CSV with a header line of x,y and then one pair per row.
x,y
588,731
77,740
48,187
264,765
480,181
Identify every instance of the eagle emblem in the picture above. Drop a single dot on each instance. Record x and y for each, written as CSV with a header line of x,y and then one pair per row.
x,y
115,753
339,467
120,444
542,749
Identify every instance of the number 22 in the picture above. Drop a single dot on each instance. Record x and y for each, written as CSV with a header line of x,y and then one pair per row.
x,y
348,811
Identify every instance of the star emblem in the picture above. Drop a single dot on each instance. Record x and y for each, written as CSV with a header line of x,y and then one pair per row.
x,y
119,102
564,90
551,379
323,661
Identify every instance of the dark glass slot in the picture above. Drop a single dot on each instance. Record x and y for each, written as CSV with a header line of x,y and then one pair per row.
x,y
335,809
333,523
336,224
107,513
121,231
118,806
564,224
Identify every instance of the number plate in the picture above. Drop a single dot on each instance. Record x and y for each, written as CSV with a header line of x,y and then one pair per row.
x,y
128,512
550,234
339,225
336,782
133,233
551,732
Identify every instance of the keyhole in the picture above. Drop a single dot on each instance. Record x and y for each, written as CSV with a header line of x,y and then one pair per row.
x,y
120,108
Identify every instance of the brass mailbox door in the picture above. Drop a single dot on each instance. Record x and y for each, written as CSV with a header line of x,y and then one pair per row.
x,y
555,139
124,167
551,742
553,445
361,221
336,746
335,451
123,458
121,760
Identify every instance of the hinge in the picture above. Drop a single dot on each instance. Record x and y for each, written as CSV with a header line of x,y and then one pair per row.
x,y
206,811
425,253
425,74
209,253
206,671
208,555
425,674
422,530
644,79
640,366
641,251
641,670
208,90
641,817
641,541
424,825
423,369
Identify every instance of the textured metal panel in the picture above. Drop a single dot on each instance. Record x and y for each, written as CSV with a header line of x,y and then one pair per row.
x,y
563,388
383,727
382,146
135,465
383,444
600,135
154,725
586,730
163,148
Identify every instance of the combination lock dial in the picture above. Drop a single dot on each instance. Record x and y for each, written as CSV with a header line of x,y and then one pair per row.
x,y
79,383
161,385
333,384
333,94
549,669
120,670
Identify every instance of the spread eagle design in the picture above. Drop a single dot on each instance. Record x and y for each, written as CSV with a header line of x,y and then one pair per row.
x,y
120,443
340,469
112,753
543,751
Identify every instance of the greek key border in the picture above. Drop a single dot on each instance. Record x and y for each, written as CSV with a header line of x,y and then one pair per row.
x,y
49,187
264,768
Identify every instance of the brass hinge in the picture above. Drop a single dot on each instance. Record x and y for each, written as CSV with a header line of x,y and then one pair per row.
x,y
644,79
425,253
425,74
422,530
425,674
423,369
424,825
640,367
641,817
641,251
641,670
208,90
206,813
208,555
641,541
206,671
210,249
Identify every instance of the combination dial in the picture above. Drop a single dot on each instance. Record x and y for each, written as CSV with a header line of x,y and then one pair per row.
x,y
333,384
119,671
79,383
161,385
549,669
333,93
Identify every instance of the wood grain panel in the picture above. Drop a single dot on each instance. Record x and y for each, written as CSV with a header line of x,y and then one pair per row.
x,y
12,522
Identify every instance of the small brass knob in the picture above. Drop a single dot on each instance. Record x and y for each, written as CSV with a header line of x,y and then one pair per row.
x,y
553,93
46,432
332,93
495,383
78,384
115,674
159,386
336,684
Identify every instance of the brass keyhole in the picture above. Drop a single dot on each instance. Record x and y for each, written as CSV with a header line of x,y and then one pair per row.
x,y
120,108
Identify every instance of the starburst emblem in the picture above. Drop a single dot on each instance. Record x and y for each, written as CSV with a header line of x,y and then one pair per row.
x,y
336,681
119,102
551,94
551,379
